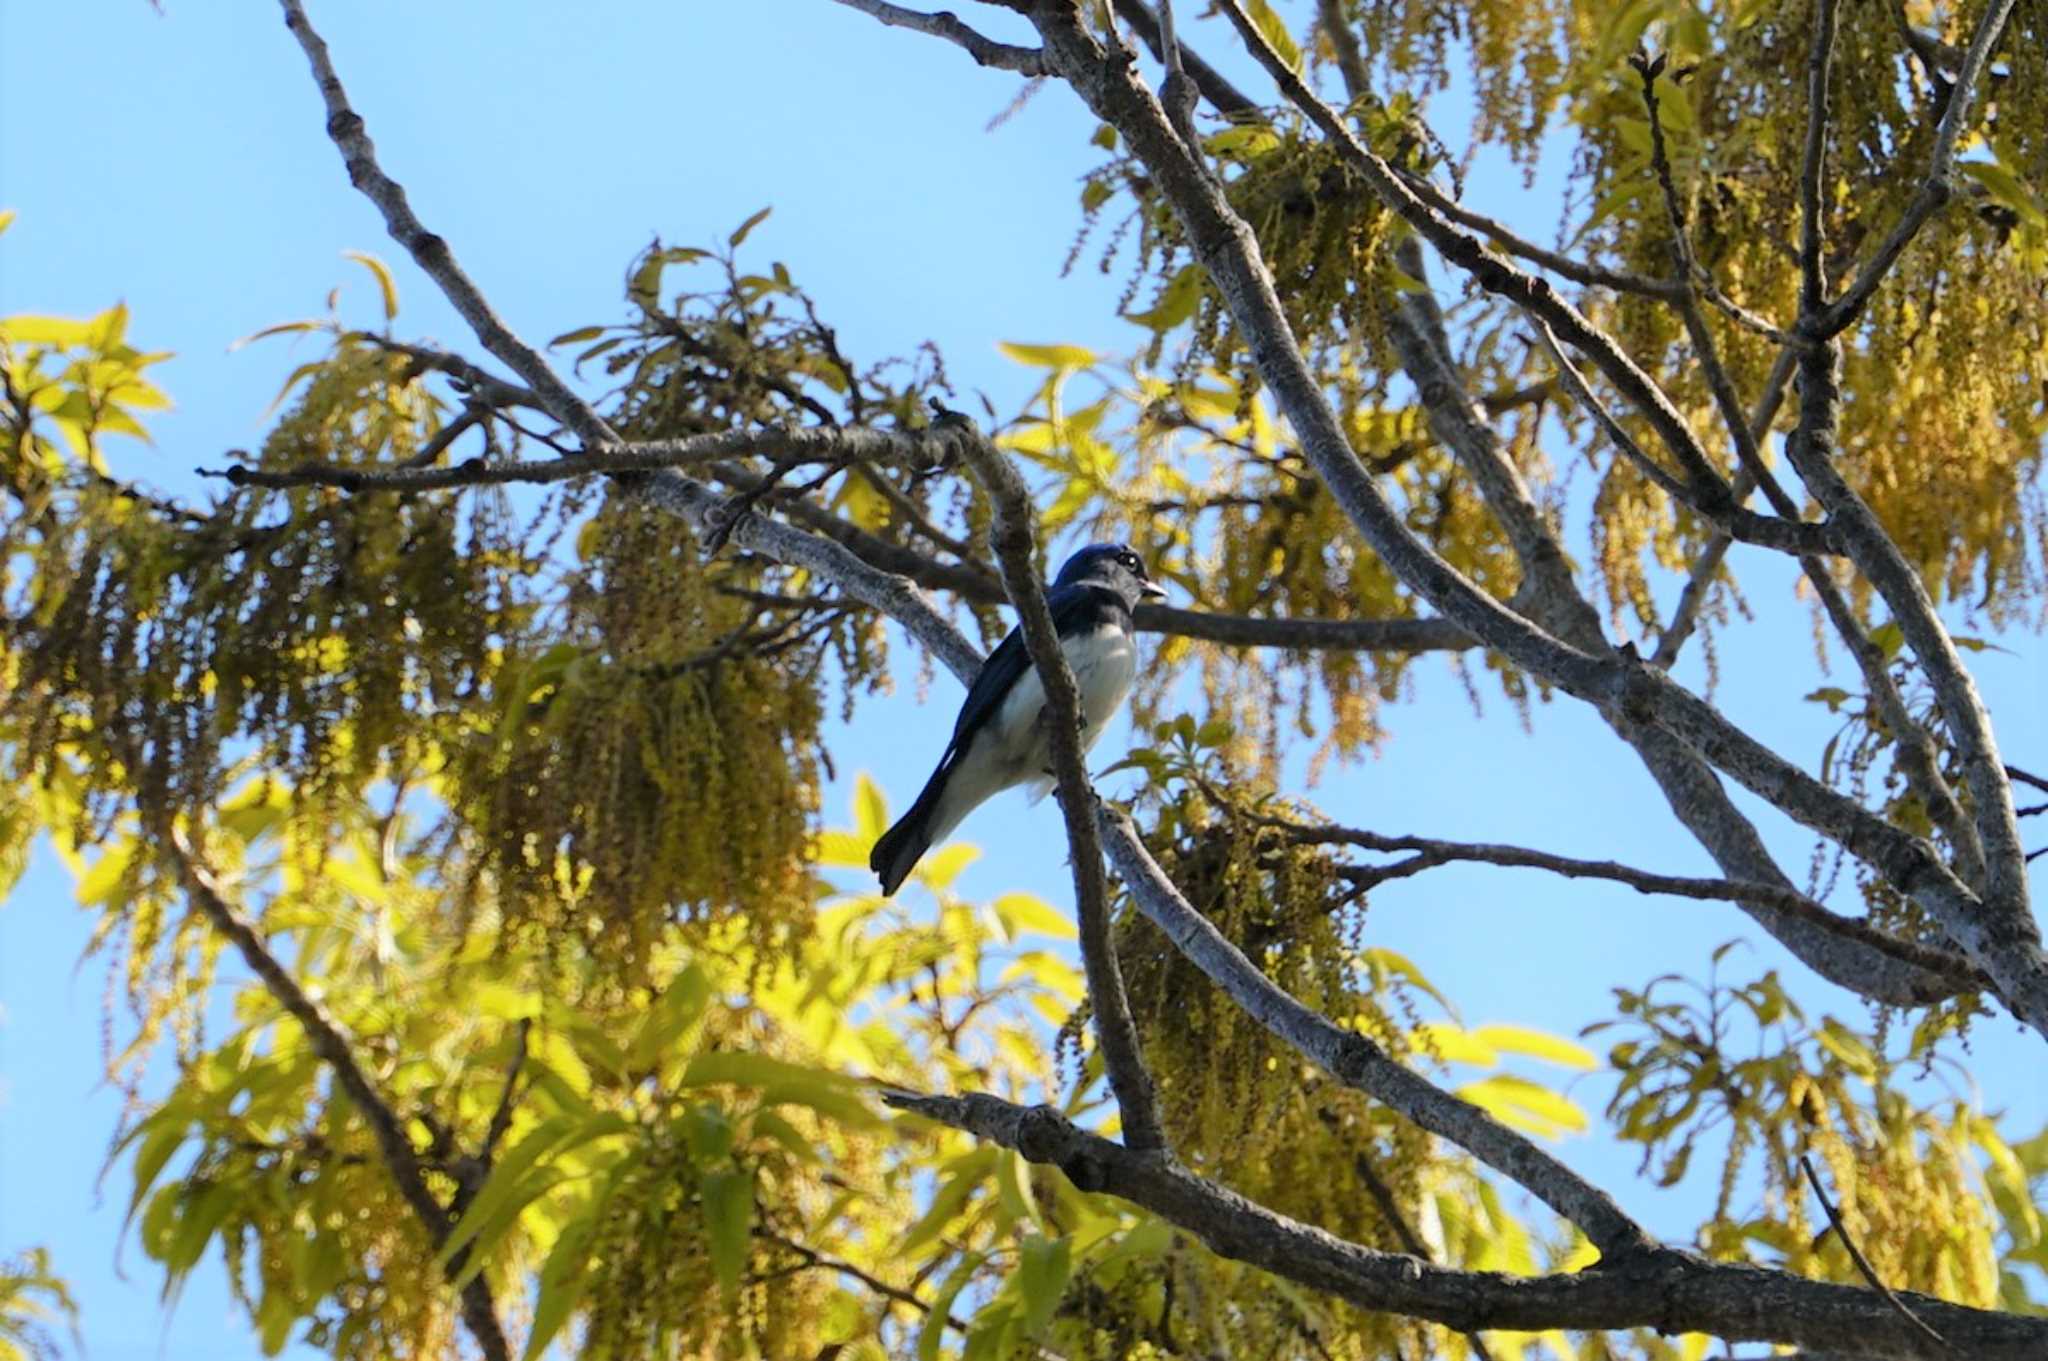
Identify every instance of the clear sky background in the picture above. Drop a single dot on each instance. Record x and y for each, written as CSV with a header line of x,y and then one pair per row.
x,y
179,163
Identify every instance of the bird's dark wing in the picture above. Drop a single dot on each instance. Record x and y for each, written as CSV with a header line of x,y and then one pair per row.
x,y
1073,607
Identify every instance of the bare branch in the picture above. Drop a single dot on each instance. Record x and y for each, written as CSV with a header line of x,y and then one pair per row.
x,y
1012,538
813,1258
1177,95
1025,61
812,444
429,251
1431,851
1223,96
1999,932
1665,1288
1813,283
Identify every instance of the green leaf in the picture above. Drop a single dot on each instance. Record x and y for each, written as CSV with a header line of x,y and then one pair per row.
x,y
968,1172
934,1330
836,1103
386,285
747,1069
6,219
709,1132
58,331
1176,302
1386,963
741,232
561,1281
678,1008
940,869
1043,1265
580,334
514,1182
157,1147
728,1220
283,328
1454,1044
842,850
2007,188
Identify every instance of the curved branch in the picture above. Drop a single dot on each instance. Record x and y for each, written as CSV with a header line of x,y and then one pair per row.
x,y
1669,1289
1430,851
1353,1059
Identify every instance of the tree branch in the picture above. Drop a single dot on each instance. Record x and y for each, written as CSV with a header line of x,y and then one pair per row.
x,y
1936,188
814,444
1025,61
1999,931
1669,1289
1779,898
1012,538
1354,1059
1863,1266
1494,274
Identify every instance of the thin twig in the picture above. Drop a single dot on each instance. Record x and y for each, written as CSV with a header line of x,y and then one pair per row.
x,y
813,1258
1494,274
1813,282
501,1118
1411,1242
1862,1262
1354,1059
1430,852
1685,616
1025,61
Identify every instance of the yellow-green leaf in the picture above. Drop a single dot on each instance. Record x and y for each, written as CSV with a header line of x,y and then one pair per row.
x,y
1526,1105
870,809
1060,357
1537,1044
386,285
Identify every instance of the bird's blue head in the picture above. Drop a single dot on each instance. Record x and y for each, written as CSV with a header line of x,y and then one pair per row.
x,y
1113,565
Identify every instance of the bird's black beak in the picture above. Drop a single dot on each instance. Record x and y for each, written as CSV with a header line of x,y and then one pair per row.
x,y
1151,590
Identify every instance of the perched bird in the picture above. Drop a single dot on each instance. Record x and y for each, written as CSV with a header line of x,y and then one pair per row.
x,y
998,740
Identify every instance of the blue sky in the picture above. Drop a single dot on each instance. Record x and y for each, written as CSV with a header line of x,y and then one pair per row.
x,y
179,163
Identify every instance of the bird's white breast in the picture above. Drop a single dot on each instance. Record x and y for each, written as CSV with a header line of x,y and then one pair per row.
x,y
1011,749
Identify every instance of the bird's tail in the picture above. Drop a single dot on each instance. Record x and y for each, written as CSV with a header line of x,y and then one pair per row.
x,y
898,850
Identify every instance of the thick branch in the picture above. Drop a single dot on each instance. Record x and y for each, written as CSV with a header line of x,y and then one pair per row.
x,y
1999,932
1354,1060
1494,274
1630,692
1668,1289
1012,539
